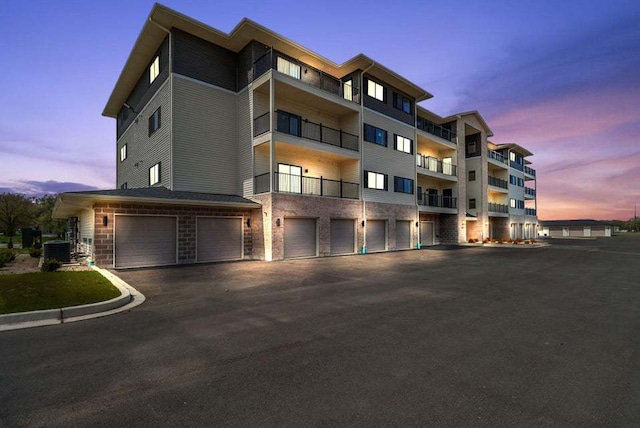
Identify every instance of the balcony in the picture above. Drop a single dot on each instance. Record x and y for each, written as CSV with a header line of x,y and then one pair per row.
x,y
498,182
530,171
302,185
436,165
437,130
497,156
530,211
273,60
530,192
437,201
498,208
261,124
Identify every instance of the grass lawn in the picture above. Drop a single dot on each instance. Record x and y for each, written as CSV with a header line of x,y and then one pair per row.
x,y
52,290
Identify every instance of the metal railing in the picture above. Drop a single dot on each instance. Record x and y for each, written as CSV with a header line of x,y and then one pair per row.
x,y
261,124
516,165
530,211
498,208
498,182
293,125
530,171
437,130
497,156
439,201
529,191
308,75
436,165
303,185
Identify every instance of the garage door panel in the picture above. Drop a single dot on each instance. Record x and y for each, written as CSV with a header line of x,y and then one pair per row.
x,y
376,235
342,236
219,239
145,241
300,237
426,233
403,234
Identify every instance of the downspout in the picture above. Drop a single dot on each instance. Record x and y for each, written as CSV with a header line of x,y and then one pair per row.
x,y
364,202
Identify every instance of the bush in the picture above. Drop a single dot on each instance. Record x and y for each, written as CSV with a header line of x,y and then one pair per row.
x,y
7,256
50,265
35,252
37,245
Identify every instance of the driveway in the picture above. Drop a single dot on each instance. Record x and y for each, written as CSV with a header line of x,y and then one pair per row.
x,y
459,337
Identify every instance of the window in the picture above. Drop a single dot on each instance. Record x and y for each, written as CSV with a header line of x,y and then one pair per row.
x,y
403,185
289,178
375,135
472,175
513,180
154,174
154,121
375,90
471,147
289,68
123,153
512,156
404,144
472,204
154,69
123,185
289,123
520,182
402,103
374,180
347,90
512,203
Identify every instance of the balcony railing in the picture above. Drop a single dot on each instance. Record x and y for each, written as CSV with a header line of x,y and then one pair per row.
x,y
498,208
529,191
497,156
498,182
516,165
436,165
261,124
302,185
437,130
438,201
529,171
530,211
294,125
306,74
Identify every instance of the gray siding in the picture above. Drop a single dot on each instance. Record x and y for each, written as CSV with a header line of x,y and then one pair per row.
x,y
245,159
86,221
386,107
205,138
145,150
387,160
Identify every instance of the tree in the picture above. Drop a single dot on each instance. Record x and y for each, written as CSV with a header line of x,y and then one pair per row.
x,y
15,212
43,210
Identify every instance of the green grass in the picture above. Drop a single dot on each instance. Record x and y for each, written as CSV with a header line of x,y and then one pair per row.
x,y
51,290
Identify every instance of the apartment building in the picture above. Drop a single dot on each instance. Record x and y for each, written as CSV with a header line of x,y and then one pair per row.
x,y
248,145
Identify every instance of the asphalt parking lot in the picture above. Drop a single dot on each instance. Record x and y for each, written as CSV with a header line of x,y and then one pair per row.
x,y
438,337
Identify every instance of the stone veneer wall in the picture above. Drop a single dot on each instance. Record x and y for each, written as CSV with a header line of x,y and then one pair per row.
x,y
104,235
449,228
500,227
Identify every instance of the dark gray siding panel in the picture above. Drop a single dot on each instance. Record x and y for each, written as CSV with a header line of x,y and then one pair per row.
x,y
387,107
196,58
143,91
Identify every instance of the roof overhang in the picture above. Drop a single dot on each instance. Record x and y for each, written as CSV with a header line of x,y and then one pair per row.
x,y
70,204
515,148
162,19
473,113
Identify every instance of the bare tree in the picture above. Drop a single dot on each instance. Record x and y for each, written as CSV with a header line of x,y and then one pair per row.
x,y
15,212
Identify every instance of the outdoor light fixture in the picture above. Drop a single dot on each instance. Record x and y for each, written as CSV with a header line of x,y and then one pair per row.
x,y
362,223
417,224
105,220
248,222
130,108
278,222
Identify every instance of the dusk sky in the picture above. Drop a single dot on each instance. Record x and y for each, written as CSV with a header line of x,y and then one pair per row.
x,y
561,78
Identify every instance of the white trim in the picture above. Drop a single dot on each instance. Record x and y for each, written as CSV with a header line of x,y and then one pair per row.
x,y
116,215
191,79
242,220
390,118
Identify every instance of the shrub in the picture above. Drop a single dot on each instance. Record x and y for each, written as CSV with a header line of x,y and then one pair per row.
x,y
35,252
7,256
50,265
37,245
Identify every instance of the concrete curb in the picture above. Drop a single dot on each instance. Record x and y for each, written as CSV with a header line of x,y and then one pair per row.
x,y
129,298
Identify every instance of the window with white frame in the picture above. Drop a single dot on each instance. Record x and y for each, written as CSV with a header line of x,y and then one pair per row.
x,y
289,68
375,180
347,90
512,156
512,203
375,90
404,144
154,121
123,153
154,174
154,69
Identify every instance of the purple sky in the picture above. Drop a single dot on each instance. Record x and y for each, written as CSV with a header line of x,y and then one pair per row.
x,y
561,78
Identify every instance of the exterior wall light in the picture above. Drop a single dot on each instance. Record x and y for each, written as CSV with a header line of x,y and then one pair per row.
x,y
248,222
278,222
105,220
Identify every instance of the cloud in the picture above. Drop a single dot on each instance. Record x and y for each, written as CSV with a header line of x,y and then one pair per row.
x,y
40,188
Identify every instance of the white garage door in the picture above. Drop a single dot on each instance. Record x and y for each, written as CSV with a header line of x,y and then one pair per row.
x,y
576,231
299,237
376,235
426,233
145,241
403,234
598,231
219,239
342,236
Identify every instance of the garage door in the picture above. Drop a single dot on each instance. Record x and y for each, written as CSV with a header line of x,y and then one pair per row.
x,y
219,239
299,237
342,236
576,231
556,231
376,235
597,231
403,234
426,233
144,241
